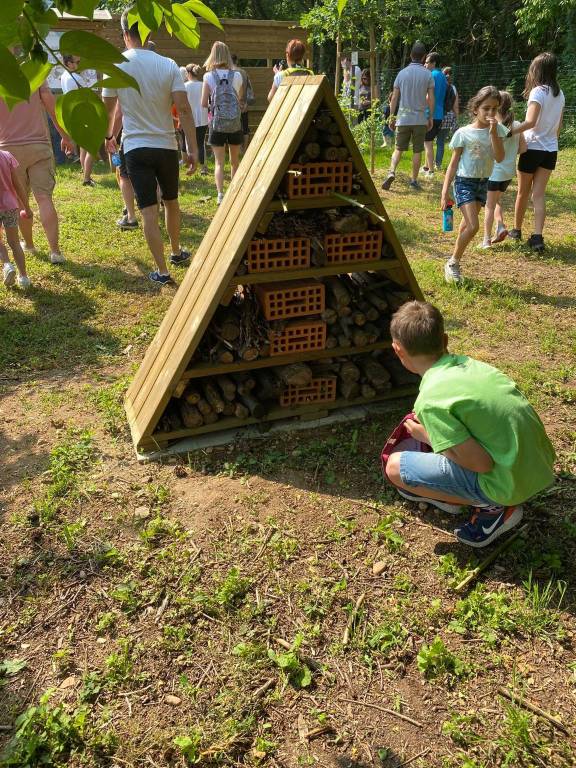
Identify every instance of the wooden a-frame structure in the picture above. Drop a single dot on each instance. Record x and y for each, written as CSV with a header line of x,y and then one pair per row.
x,y
212,272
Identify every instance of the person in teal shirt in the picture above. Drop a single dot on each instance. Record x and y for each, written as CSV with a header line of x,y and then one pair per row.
x,y
489,447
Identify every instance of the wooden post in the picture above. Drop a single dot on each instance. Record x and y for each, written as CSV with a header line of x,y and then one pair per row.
x,y
373,93
337,75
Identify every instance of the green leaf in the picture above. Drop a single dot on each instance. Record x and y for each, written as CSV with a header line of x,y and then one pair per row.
x,y
142,28
150,13
81,43
84,116
36,72
185,26
12,666
116,77
11,9
83,8
13,82
9,33
198,7
341,5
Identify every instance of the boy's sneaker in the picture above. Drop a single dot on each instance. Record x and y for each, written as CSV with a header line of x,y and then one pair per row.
x,y
24,283
8,275
125,224
536,243
56,258
388,181
452,272
413,184
156,277
180,258
452,509
501,233
515,234
89,183
219,198
485,525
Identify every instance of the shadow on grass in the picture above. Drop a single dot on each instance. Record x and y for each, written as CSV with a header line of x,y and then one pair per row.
x,y
57,333
498,290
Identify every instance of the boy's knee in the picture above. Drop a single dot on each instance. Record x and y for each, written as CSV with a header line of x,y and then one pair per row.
x,y
393,468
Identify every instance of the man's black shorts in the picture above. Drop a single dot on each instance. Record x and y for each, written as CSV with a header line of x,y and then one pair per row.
x,y
433,132
148,167
122,170
533,159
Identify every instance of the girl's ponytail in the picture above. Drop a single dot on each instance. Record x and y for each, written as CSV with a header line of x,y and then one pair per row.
x,y
543,70
505,110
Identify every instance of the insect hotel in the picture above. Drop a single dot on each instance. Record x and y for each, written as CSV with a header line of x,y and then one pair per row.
x,y
285,310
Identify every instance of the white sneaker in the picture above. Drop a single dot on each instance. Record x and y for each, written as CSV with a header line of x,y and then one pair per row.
x,y
485,244
220,198
24,283
28,248
452,509
452,272
56,258
8,275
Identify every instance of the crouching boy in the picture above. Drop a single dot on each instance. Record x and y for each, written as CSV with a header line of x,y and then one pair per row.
x,y
490,449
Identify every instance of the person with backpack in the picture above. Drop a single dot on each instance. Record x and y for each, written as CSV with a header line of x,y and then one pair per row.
x,y
223,94
295,55
450,120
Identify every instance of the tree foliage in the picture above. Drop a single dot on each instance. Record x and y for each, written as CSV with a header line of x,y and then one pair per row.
x,y
26,59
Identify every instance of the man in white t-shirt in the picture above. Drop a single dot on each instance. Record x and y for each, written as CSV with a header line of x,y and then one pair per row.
x,y
70,80
149,141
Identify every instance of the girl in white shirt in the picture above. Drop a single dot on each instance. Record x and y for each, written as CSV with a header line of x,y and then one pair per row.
x,y
194,91
542,127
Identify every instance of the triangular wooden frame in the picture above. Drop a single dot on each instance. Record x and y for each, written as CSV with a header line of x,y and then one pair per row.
x,y
215,263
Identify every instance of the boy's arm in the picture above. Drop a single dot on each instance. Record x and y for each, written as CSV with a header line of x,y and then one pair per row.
x,y
449,177
470,455
20,193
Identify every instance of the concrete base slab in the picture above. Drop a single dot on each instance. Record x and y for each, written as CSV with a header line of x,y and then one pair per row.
x,y
252,432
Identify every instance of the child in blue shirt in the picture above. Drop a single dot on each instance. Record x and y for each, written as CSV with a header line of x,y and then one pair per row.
x,y
475,148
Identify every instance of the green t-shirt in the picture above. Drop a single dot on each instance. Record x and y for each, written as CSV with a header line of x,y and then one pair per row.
x,y
460,398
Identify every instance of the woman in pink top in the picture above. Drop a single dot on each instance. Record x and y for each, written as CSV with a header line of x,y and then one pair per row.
x,y
13,201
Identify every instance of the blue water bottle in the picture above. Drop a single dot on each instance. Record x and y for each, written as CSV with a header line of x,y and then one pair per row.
x,y
448,218
116,160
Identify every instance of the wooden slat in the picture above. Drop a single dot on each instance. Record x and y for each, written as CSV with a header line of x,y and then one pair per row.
x,y
205,369
329,201
332,269
260,173
276,414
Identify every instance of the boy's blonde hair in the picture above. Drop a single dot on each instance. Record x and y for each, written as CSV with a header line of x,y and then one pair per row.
x,y
419,327
219,57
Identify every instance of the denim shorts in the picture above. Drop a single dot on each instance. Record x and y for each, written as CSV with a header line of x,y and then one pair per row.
x,y
434,471
469,190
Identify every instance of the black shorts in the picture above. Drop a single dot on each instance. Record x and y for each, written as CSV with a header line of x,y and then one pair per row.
x,y
218,139
533,159
498,186
433,132
122,170
245,126
148,167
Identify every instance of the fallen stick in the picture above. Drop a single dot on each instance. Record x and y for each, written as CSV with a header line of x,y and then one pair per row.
x,y
490,559
392,712
352,201
521,701
420,754
352,619
263,688
320,731
308,660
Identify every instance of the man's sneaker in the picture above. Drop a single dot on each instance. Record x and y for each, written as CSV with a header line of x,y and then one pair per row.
x,y
8,275
56,258
452,272
24,283
28,248
536,243
485,525
125,224
452,509
515,234
501,233
219,198
180,258
89,183
388,181
156,277
413,184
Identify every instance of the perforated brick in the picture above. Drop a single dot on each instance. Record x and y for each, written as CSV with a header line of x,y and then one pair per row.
x,y
299,336
319,179
275,255
282,301
353,247
320,390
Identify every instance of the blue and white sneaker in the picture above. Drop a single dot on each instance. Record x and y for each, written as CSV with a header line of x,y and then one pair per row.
x,y
485,525
452,509
180,258
156,277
